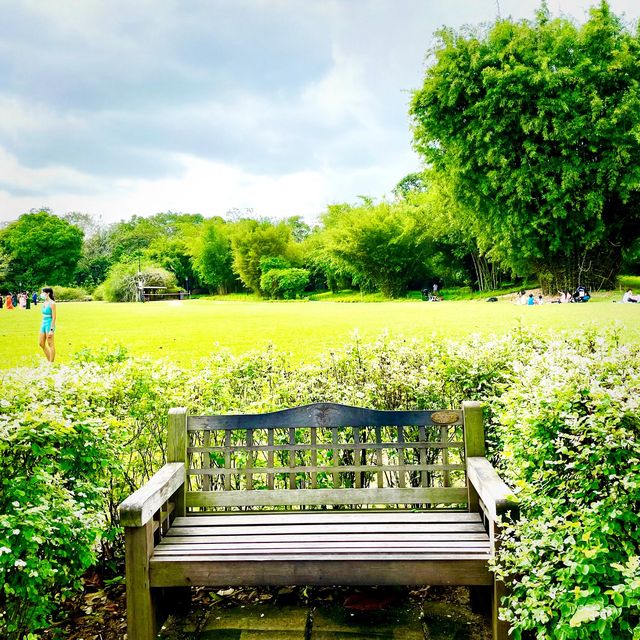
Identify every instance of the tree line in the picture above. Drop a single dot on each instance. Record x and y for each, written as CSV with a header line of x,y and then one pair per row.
x,y
529,132
390,246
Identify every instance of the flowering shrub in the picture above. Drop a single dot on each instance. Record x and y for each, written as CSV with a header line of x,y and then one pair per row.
x,y
76,439
569,430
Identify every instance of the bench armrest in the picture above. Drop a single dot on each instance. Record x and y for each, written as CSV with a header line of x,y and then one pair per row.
x,y
496,496
140,506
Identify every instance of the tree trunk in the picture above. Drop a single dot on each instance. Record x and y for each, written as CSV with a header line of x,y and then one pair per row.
x,y
594,269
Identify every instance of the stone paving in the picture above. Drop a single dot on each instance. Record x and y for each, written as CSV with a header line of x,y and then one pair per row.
x,y
325,618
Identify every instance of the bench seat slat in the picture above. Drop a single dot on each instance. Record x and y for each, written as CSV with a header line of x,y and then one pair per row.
x,y
163,549
398,570
325,555
320,529
296,517
356,537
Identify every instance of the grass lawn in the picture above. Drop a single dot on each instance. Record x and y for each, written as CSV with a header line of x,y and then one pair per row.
x,y
195,328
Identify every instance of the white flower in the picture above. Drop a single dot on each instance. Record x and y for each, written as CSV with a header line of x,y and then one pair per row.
x,y
16,532
20,563
4,550
15,503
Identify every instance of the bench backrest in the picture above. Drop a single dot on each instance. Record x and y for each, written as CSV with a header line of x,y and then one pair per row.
x,y
326,454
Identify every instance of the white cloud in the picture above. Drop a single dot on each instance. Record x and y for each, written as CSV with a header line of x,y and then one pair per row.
x,y
119,108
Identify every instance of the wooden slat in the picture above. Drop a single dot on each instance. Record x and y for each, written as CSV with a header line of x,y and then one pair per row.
x,y
219,471
368,538
328,517
206,461
327,447
336,458
292,457
270,451
171,572
418,495
378,448
227,461
356,467
322,414
167,548
314,458
324,556
320,529
444,437
249,451
401,458
422,456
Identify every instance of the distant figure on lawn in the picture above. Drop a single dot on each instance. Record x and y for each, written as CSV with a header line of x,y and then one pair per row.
x,y
581,295
530,300
48,327
9,301
629,297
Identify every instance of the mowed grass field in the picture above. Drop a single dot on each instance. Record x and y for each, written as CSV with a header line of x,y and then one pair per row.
x,y
181,331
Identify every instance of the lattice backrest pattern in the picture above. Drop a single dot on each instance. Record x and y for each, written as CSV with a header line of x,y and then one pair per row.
x,y
323,454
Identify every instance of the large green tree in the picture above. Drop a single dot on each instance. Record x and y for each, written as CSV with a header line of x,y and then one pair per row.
x,y
381,247
42,248
536,125
254,240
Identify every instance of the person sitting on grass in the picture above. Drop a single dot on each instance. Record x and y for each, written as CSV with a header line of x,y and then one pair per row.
x,y
629,297
581,295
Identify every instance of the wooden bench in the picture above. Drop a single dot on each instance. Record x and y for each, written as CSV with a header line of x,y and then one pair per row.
x,y
322,494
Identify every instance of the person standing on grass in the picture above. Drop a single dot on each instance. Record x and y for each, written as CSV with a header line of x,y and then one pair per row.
x,y
48,327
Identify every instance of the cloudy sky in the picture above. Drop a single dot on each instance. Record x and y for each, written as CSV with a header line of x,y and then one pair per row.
x,y
123,107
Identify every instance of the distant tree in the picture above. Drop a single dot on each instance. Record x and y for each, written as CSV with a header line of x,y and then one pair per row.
x,y
42,248
411,183
172,254
535,124
253,240
84,221
299,228
212,257
95,260
383,246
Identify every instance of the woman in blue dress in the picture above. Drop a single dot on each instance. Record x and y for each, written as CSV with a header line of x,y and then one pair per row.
x,y
48,327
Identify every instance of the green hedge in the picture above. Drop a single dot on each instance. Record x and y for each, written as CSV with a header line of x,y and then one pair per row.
x,y
563,424
286,284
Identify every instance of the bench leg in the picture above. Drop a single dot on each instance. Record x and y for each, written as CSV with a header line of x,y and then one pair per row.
x,y
141,606
500,628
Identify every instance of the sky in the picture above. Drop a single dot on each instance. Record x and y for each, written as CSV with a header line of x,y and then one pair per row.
x,y
279,107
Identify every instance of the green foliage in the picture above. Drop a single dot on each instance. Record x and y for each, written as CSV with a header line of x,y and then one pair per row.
x,y
380,247
95,260
212,257
122,284
568,432
535,126
284,283
41,247
55,459
70,294
254,240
